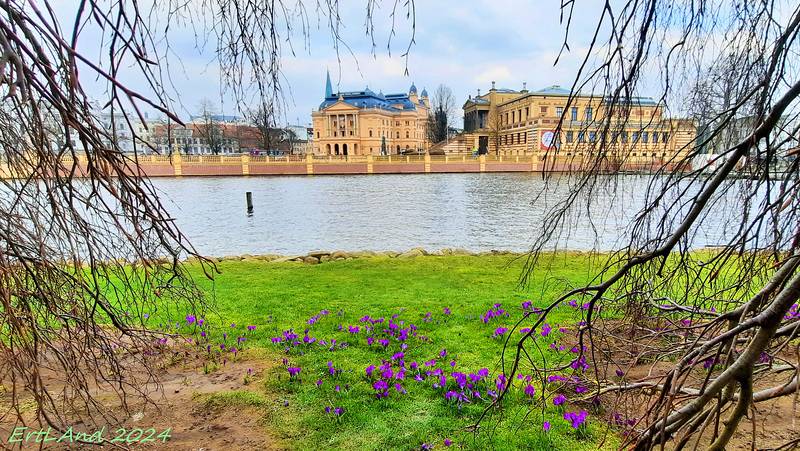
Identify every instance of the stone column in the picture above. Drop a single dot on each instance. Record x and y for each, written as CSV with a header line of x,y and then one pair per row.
x,y
245,164
482,162
310,163
177,162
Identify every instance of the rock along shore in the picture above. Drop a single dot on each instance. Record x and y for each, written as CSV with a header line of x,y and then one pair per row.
x,y
317,257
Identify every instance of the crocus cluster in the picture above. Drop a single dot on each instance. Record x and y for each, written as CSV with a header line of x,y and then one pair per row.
x,y
576,419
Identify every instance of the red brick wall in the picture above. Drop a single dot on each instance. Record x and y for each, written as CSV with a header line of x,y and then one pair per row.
x,y
391,168
211,169
277,169
456,167
343,168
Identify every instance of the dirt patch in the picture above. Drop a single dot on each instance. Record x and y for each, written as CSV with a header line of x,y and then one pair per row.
x,y
770,424
182,406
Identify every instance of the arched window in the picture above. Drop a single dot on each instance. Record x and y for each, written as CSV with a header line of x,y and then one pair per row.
x,y
398,135
406,133
370,133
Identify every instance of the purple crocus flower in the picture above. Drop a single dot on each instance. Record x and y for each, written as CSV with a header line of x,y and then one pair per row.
x,y
576,419
530,390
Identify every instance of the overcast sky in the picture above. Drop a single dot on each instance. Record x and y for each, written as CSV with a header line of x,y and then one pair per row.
x,y
464,44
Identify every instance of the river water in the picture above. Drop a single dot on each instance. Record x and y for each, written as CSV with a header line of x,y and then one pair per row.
x,y
298,214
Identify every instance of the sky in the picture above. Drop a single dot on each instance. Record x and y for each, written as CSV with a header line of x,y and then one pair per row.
x,y
463,44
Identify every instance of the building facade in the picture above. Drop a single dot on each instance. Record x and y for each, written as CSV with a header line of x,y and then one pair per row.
x,y
509,122
366,123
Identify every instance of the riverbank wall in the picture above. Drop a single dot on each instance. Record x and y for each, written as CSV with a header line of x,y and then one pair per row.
x,y
239,165
326,256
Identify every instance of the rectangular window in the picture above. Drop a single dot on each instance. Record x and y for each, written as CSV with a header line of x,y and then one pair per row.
x,y
527,112
592,137
588,113
635,136
664,137
569,136
574,115
624,137
581,137
512,117
559,111
645,136
525,138
544,111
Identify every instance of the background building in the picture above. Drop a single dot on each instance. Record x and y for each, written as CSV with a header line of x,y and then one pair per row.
x,y
508,122
365,123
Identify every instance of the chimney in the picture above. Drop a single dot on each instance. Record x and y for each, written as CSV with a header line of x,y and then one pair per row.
x,y
479,92
492,85
524,85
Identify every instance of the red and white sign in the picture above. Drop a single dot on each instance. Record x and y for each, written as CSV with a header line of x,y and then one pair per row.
x,y
549,140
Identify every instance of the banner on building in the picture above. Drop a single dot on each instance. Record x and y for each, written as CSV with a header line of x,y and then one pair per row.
x,y
550,139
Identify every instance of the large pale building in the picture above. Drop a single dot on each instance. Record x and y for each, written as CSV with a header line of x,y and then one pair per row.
x,y
366,123
509,122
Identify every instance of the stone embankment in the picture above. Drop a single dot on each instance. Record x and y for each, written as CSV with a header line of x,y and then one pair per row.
x,y
323,256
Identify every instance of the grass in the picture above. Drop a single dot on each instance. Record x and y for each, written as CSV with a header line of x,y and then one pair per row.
x,y
278,297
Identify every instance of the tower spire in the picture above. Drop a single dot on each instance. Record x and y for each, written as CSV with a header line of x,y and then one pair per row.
x,y
328,87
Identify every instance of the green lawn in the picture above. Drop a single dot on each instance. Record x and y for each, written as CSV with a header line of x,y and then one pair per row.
x,y
275,298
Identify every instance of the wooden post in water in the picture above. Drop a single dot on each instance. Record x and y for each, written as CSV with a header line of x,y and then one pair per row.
x,y
249,202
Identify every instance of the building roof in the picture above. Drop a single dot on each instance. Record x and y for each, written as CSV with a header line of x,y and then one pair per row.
x,y
368,99
477,100
555,89
637,101
216,117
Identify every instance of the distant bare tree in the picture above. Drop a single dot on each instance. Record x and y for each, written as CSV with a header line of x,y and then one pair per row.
x,y
267,131
164,135
442,114
494,125
209,126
